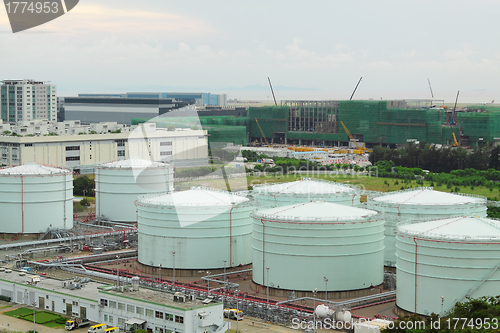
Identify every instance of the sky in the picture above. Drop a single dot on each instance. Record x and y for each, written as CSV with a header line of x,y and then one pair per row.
x,y
315,49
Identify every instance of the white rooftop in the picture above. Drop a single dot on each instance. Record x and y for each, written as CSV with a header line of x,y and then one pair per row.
x,y
134,163
305,186
427,196
317,210
33,169
196,196
463,226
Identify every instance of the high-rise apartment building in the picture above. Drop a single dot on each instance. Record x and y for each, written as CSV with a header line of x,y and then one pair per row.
x,y
25,100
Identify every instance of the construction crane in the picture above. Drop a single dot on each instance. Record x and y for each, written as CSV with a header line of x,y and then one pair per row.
x,y
452,122
363,149
355,88
261,131
455,144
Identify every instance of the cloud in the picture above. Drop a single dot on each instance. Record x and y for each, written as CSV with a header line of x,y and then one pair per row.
x,y
378,66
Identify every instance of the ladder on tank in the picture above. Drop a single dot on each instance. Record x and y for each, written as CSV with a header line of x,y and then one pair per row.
x,y
472,290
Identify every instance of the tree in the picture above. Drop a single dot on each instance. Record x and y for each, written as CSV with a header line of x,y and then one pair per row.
x,y
170,127
83,183
85,202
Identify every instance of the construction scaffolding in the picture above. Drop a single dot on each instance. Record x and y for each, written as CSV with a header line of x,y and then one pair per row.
x,y
312,116
273,121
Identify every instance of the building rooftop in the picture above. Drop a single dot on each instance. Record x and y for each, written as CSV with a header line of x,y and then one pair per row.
x,y
164,298
134,163
196,196
88,290
463,227
305,186
427,196
317,211
33,169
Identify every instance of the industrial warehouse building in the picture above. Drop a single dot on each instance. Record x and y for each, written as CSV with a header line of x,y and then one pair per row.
x,y
154,310
181,147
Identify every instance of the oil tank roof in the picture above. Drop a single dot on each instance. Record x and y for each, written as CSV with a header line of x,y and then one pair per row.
x,y
305,186
196,196
133,163
316,211
427,196
33,169
463,227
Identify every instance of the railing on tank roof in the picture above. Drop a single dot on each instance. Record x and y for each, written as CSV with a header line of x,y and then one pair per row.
x,y
342,219
242,194
31,170
433,236
356,188
375,194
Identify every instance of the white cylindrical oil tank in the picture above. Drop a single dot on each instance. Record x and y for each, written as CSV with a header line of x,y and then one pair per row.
x,y
305,190
34,198
441,262
118,184
295,247
417,205
195,229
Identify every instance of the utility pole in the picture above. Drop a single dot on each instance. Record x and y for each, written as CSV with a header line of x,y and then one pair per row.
x,y
326,288
34,305
267,284
117,272
315,291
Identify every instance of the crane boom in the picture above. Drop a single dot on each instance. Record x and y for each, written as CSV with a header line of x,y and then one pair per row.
x,y
352,137
455,139
261,131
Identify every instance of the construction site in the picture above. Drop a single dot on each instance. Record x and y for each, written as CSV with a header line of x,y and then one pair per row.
x,y
319,123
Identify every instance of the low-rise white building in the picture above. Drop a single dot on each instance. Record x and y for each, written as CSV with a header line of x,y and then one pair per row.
x,y
154,310
181,147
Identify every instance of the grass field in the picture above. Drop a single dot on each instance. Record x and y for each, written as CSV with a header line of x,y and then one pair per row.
x,y
365,182
45,318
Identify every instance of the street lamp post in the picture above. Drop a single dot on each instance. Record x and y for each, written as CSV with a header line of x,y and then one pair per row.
x,y
267,284
326,288
173,263
237,310
117,272
442,305
224,292
208,282
314,308
34,305
159,274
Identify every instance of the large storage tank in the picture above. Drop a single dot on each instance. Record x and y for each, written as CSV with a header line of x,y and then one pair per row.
x,y
441,262
118,184
420,204
203,227
295,247
305,190
35,197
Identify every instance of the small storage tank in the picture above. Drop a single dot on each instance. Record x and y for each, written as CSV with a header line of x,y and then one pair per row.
x,y
296,247
420,204
34,198
442,262
204,228
118,184
305,190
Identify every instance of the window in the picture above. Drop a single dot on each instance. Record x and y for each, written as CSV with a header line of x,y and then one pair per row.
x,y
130,308
179,319
72,148
149,312
158,330
169,317
166,143
163,153
73,158
104,302
110,319
28,145
139,310
121,322
159,314
105,317
121,306
121,152
112,304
